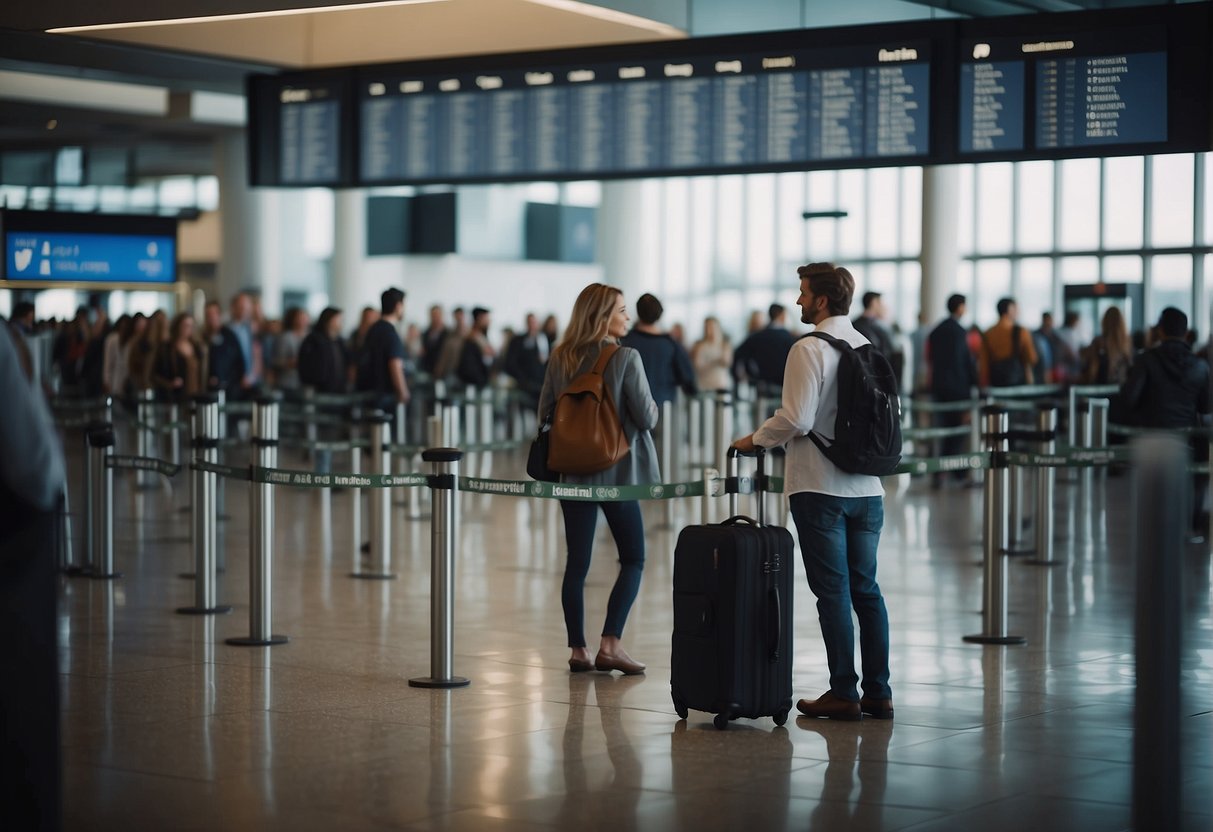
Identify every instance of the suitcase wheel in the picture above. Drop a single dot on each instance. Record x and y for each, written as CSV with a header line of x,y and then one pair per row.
x,y
781,717
721,721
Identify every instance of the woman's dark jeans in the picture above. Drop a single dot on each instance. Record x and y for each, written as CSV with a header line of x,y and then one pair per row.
x,y
627,527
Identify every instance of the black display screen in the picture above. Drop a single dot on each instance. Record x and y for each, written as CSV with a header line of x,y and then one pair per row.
x,y
1111,82
634,116
1055,86
301,130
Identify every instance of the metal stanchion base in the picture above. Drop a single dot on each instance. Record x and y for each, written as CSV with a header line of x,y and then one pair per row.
x,y
980,639
372,576
249,641
75,571
104,576
204,610
431,682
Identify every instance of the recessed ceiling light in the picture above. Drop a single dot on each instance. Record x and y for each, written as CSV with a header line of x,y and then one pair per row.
x,y
179,21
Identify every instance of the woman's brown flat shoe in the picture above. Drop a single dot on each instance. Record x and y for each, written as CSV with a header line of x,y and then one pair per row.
x,y
625,665
580,665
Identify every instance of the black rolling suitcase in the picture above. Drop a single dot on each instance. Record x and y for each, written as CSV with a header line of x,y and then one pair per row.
x,y
732,651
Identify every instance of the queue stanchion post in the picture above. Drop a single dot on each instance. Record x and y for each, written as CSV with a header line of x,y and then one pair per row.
x,y
1098,409
145,413
379,566
668,440
695,433
975,443
995,425
220,488
722,428
205,445
101,446
1083,437
1162,489
1046,477
174,441
309,417
710,476
64,553
444,530
261,536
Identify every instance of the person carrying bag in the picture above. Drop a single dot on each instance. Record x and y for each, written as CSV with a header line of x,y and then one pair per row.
x,y
620,390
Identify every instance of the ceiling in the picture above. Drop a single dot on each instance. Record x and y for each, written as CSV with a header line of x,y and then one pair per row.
x,y
393,31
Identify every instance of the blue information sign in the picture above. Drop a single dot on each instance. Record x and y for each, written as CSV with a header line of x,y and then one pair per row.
x,y
92,258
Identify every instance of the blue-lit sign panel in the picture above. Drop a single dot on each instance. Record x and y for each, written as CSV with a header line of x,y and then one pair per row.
x,y
90,258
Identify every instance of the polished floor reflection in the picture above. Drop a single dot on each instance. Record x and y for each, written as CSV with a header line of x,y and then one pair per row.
x,y
167,727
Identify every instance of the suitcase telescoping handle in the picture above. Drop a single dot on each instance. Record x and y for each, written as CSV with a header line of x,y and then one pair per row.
x,y
732,482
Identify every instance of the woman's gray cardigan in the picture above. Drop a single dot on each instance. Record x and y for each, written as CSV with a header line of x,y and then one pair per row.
x,y
629,388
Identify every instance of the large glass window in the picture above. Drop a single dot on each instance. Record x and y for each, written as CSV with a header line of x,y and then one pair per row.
x,y
994,217
760,230
1034,206
1123,202
1079,220
884,216
1171,200
1171,284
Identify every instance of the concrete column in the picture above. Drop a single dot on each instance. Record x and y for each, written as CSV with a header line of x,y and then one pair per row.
x,y
249,220
629,229
940,251
349,252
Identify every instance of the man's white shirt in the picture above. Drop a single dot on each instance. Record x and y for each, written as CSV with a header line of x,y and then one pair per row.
x,y
810,403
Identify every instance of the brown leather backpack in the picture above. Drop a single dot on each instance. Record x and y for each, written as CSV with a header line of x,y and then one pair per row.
x,y
586,435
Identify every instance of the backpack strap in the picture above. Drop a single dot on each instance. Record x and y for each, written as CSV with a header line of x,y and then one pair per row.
x,y
836,343
604,358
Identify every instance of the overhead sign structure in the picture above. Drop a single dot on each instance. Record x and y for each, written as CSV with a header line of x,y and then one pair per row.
x,y
48,247
1114,82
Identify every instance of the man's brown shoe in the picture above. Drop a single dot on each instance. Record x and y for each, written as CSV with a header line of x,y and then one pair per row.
x,y
877,708
829,706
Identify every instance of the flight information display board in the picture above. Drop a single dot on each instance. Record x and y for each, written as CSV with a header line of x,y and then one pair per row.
x,y
772,109
1058,85
1108,82
304,130
47,247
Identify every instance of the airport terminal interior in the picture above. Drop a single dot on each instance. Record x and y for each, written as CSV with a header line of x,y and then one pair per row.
x,y
499,156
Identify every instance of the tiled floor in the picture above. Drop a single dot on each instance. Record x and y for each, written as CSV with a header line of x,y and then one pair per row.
x,y
167,727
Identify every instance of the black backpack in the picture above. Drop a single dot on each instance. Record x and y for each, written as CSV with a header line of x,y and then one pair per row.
x,y
867,429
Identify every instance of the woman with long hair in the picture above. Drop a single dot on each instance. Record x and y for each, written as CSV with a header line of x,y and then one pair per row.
x,y
600,318
712,357
143,350
179,369
1111,353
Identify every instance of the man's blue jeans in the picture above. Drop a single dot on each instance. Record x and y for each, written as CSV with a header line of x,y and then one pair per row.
x,y
838,539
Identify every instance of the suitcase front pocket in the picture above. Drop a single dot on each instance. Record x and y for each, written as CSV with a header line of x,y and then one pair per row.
x,y
694,614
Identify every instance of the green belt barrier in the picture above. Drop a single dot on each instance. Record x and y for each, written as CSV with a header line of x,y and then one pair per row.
x,y
167,427
339,399
337,445
311,479
313,418
1126,430
1094,390
582,493
143,463
74,422
911,434
237,408
475,447
943,464
1015,404
231,472
942,407
1073,459
76,404
1023,391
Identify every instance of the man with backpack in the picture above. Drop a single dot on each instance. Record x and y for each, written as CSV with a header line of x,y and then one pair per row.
x,y
1007,355
836,454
